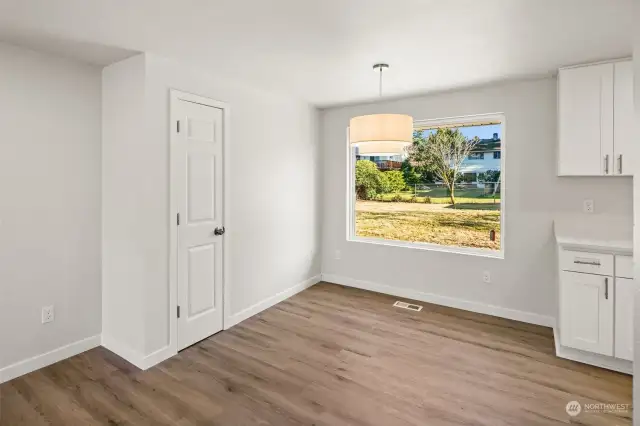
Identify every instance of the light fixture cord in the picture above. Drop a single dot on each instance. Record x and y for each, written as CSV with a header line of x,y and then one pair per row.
x,y
380,81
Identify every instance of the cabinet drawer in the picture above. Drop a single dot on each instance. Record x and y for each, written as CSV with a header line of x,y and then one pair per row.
x,y
624,266
592,263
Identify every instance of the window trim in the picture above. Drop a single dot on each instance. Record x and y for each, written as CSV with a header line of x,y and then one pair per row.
x,y
469,120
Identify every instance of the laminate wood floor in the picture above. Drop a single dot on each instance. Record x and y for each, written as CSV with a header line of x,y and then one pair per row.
x,y
330,356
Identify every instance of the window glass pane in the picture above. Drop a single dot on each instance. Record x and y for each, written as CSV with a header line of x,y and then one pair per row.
x,y
445,189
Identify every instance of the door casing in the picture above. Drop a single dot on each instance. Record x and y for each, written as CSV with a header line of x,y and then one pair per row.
x,y
175,97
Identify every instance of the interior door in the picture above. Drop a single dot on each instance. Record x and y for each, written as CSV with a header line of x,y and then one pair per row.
x,y
624,133
586,312
585,102
198,152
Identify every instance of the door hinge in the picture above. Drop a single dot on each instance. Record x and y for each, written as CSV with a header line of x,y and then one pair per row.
x,y
178,219
178,126
178,311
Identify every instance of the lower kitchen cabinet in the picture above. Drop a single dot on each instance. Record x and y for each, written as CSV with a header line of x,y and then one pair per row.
x,y
587,312
625,294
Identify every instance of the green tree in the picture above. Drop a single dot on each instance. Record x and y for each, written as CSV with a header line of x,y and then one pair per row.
x,y
411,177
443,153
489,176
395,181
368,180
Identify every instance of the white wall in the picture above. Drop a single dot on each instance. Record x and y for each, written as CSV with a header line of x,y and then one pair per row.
x,y
49,202
526,279
275,218
636,214
124,185
275,188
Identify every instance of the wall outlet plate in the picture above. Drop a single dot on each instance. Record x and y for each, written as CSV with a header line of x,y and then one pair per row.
x,y
47,314
338,255
588,206
486,277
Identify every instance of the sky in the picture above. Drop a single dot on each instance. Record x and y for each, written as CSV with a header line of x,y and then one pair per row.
x,y
483,132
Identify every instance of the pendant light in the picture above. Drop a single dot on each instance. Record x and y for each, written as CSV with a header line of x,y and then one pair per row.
x,y
381,134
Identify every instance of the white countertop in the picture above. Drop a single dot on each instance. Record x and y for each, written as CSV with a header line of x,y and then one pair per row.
x,y
608,233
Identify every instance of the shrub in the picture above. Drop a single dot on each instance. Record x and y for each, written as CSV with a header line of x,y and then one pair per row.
x,y
367,180
394,181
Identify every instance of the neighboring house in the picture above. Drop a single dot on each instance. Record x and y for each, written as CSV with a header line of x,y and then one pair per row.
x,y
383,162
485,156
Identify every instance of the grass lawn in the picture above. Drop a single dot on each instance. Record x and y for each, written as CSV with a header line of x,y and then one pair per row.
x,y
439,196
428,224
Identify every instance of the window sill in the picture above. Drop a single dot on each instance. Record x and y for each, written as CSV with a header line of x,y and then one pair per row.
x,y
469,251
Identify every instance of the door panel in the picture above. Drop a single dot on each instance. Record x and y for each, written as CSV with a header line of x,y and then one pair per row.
x,y
623,118
201,272
625,295
585,102
198,169
586,312
200,187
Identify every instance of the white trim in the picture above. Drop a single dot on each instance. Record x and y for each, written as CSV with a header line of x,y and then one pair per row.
x,y
471,251
589,64
452,302
40,361
234,319
156,357
602,361
123,351
175,95
351,199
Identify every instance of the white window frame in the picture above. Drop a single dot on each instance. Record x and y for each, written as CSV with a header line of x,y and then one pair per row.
x,y
440,122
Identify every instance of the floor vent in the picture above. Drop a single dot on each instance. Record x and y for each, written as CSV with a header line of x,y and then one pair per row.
x,y
409,306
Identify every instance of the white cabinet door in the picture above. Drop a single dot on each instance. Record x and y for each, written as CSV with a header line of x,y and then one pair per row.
x,y
625,293
585,120
623,118
586,312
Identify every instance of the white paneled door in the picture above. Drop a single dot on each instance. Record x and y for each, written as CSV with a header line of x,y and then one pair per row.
x,y
198,179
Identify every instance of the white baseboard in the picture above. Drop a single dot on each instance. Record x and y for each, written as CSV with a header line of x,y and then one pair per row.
x,y
602,361
234,319
143,362
123,351
452,302
157,357
40,361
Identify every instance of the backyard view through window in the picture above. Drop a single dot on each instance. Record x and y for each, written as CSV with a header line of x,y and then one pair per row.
x,y
444,189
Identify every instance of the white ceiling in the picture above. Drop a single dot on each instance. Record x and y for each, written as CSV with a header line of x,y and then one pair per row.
x,y
323,50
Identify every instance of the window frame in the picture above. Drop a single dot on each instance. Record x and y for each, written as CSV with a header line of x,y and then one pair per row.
x,y
468,120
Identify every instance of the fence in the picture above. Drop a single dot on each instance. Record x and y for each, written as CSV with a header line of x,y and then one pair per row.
x,y
480,190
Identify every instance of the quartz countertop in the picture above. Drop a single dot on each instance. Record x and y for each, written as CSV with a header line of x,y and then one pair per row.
x,y
608,233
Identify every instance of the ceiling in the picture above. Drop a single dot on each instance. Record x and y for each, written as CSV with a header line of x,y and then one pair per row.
x,y
323,50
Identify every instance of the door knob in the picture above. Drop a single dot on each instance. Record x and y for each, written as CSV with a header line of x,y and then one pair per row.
x,y
219,231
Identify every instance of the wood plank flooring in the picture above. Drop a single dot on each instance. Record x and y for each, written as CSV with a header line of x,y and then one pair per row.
x,y
330,356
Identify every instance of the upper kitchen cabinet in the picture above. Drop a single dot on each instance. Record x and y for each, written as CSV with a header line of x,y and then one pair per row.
x,y
595,113
623,117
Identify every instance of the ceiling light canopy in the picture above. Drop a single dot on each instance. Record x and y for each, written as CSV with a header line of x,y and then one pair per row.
x,y
381,134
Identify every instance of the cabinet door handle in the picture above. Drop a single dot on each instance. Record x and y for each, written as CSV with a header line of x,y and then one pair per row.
x,y
620,164
584,262
606,288
606,164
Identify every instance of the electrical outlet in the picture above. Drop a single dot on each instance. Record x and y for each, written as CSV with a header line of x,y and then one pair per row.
x,y
588,206
486,277
47,314
338,255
